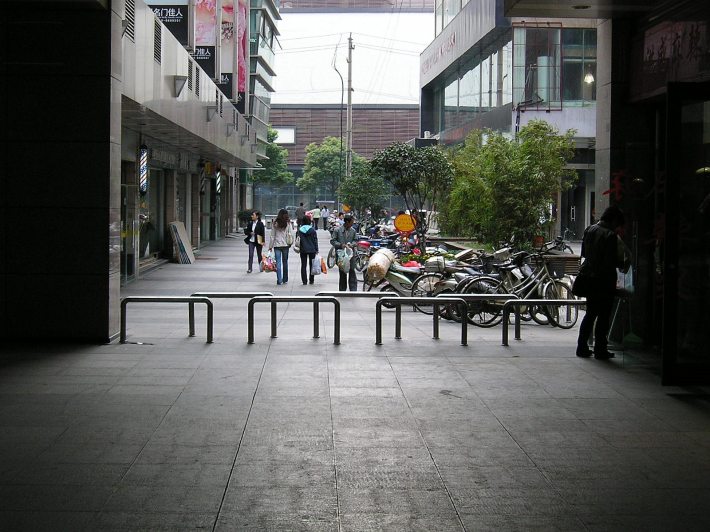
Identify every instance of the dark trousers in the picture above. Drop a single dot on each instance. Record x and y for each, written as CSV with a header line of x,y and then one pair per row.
x,y
325,222
348,279
599,309
254,246
306,265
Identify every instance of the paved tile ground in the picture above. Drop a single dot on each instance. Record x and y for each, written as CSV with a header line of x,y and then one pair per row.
x,y
292,433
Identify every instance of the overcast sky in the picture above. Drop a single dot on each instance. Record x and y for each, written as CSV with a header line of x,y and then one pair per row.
x,y
385,58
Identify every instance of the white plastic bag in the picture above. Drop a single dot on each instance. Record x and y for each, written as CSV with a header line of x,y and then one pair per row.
x,y
625,282
315,267
344,255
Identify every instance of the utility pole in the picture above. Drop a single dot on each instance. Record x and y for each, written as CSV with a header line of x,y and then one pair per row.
x,y
349,121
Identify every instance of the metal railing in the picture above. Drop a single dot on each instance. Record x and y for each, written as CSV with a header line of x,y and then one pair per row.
x,y
437,302
191,300
316,300
370,295
517,303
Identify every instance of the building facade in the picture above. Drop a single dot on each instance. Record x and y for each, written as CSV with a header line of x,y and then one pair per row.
x,y
147,132
651,158
484,70
298,125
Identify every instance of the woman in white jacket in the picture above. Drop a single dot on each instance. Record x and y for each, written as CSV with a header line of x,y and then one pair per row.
x,y
280,241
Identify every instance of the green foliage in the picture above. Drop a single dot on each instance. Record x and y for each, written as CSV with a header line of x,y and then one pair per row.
x,y
363,191
325,164
275,167
422,176
503,188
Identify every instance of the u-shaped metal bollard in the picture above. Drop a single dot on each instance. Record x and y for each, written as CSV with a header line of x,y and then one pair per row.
x,y
316,300
191,300
437,302
517,303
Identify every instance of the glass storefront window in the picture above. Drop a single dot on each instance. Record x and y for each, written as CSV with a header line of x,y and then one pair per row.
x,y
486,84
470,92
536,66
451,103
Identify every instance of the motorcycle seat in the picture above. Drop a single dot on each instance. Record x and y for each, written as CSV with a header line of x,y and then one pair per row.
x,y
401,269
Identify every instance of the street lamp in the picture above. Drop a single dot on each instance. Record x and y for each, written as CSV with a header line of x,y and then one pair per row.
x,y
342,93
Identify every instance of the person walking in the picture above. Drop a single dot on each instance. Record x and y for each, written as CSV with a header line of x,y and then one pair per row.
x,y
324,213
344,237
602,256
308,244
300,213
315,215
280,242
255,234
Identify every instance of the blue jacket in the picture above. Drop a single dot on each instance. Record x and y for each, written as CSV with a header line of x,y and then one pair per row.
x,y
309,239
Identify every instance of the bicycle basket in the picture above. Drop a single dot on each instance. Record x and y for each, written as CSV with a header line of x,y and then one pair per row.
x,y
562,264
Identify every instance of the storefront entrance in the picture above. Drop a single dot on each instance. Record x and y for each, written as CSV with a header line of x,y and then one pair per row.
x,y
686,336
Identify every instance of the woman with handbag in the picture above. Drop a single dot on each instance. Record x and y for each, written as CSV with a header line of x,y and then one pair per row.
x,y
256,234
280,242
308,247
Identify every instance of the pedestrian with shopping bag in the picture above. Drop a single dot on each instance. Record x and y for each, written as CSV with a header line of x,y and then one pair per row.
x,y
344,239
280,242
308,248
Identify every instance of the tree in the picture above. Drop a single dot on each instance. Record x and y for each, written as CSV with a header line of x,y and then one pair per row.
x,y
503,187
275,168
422,176
363,191
325,164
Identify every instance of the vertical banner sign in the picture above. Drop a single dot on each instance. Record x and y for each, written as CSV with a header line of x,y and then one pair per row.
x,y
228,48
242,53
206,35
143,170
173,16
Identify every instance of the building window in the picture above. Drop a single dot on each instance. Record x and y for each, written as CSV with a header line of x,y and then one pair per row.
x,y
579,66
537,67
286,135
451,103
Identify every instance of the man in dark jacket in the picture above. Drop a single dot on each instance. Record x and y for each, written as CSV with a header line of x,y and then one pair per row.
x,y
344,237
602,256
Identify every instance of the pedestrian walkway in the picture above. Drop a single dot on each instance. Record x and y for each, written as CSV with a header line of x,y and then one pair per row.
x,y
295,433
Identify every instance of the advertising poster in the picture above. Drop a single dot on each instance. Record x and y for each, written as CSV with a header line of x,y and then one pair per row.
x,y
243,52
228,45
174,17
206,35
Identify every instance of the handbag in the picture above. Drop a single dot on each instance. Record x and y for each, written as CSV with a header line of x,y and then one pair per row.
x,y
315,266
260,240
344,257
297,245
289,235
323,266
268,262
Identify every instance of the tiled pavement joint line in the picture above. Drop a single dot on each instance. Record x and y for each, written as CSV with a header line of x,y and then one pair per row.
x,y
335,453
138,455
426,446
241,438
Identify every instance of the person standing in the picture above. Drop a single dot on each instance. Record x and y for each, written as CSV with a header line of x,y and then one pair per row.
x,y
300,213
315,215
280,241
324,213
255,234
344,237
602,256
308,242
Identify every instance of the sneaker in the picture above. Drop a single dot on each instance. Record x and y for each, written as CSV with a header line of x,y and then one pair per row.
x,y
278,283
606,355
248,271
583,353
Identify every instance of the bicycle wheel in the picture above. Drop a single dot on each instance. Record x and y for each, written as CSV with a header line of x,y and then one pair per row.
x,y
484,313
424,286
360,261
564,317
331,258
